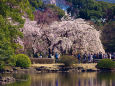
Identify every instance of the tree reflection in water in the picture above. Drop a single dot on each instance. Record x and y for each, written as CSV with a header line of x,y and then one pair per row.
x,y
69,79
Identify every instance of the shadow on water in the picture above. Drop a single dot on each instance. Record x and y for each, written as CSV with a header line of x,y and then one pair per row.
x,y
21,80
66,79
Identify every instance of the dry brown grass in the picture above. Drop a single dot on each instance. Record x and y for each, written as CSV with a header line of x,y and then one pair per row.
x,y
85,66
47,65
88,66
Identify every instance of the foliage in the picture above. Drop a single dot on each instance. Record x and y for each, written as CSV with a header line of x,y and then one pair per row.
x,y
11,12
23,61
2,65
26,80
45,17
92,9
6,50
102,14
57,10
68,60
87,7
106,64
36,3
106,76
108,34
48,13
12,61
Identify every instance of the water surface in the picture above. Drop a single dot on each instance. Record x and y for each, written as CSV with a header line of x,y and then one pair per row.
x,y
110,1
65,79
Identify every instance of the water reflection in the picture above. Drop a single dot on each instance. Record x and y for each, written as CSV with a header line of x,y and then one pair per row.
x,y
110,1
21,80
68,79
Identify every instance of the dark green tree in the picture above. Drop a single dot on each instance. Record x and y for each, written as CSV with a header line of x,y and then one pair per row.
x,y
36,3
92,10
11,13
108,34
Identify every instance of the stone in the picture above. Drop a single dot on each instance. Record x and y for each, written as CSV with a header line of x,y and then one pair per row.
x,y
6,80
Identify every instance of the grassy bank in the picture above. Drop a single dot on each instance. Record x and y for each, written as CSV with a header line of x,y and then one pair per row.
x,y
84,66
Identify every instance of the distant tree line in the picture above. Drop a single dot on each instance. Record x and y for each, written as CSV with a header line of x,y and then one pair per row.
x,y
92,10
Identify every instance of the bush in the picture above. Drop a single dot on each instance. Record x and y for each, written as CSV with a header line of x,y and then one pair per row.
x,y
12,61
106,64
68,60
23,61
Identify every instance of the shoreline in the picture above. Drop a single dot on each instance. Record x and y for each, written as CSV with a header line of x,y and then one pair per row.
x,y
48,68
54,68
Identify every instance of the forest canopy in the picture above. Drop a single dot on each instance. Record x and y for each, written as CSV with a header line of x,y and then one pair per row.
x,y
92,9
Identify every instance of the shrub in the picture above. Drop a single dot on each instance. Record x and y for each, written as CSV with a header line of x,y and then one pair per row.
x,y
68,60
106,64
12,61
23,61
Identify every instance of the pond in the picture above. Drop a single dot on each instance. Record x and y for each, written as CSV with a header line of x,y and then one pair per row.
x,y
111,1
65,79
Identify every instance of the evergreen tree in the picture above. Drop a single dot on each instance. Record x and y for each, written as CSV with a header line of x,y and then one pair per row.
x,y
11,12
